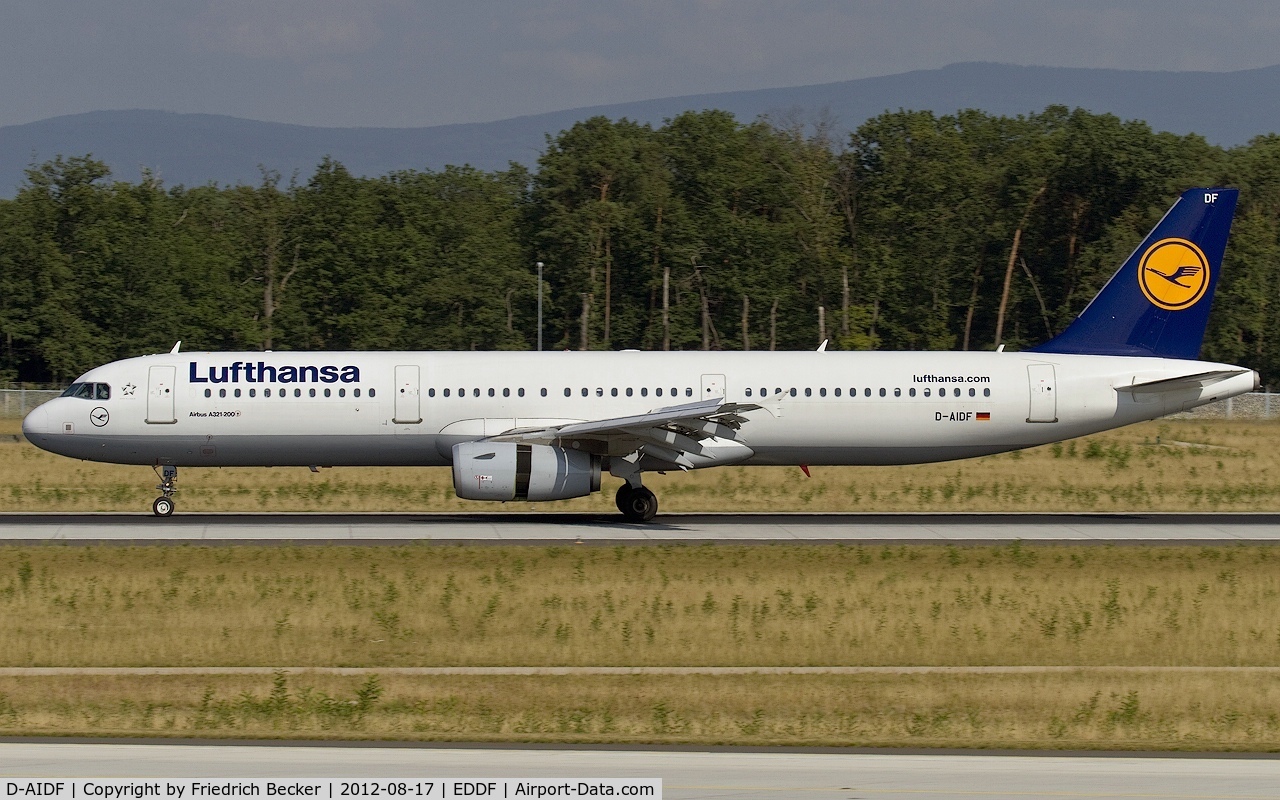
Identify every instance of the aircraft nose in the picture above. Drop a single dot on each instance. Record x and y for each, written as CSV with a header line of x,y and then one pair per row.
x,y
36,423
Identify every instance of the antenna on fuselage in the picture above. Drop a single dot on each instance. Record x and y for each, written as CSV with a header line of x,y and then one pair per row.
x,y
176,347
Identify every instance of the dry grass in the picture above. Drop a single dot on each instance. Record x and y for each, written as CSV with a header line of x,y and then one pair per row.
x,y
680,605
1131,711
1215,465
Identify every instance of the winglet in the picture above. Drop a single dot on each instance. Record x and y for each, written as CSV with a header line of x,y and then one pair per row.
x,y
1157,303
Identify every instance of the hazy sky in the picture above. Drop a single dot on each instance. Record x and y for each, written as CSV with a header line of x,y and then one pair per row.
x,y
420,62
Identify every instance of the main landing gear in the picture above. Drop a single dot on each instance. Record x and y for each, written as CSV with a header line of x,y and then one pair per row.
x,y
163,506
637,503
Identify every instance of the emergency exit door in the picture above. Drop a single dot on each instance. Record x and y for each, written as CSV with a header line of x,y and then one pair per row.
x,y
712,386
1044,400
408,395
160,395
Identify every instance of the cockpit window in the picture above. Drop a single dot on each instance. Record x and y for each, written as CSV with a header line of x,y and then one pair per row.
x,y
89,391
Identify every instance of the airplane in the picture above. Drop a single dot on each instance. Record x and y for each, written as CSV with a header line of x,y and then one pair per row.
x,y
541,426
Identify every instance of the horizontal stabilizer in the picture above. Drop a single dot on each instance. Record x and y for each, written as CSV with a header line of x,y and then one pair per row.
x,y
1197,381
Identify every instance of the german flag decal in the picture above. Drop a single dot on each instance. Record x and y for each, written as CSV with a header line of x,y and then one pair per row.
x,y
984,416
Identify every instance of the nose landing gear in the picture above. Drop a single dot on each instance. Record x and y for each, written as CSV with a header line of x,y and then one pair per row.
x,y
163,505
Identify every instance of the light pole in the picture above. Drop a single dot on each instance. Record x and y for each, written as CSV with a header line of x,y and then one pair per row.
x,y
539,306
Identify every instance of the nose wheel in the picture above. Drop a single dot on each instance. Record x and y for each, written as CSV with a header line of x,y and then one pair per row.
x,y
163,505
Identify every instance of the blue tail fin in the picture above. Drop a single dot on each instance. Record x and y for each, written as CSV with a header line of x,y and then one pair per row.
x,y
1157,303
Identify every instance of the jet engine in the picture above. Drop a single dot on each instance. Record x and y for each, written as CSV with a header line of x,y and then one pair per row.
x,y
511,471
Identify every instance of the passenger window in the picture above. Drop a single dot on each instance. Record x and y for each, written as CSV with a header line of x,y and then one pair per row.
x,y
462,393
544,392
326,392
973,392
957,391
506,392
475,392
613,392
926,392
312,392
986,392
584,391
446,392
837,391
266,392
793,391
897,393
566,391
912,391
599,391
297,393
372,393
629,391
644,391
674,392
356,392
748,391
808,392
882,392
688,391
209,392
341,392
822,392
253,392
237,392
491,392
222,393
520,392
866,392
658,391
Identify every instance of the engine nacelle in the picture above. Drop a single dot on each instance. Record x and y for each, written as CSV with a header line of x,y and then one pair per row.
x,y
511,471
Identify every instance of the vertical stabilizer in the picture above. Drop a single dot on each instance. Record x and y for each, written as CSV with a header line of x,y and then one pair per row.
x,y
1157,303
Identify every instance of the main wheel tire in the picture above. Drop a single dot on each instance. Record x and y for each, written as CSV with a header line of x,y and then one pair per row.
x,y
623,497
641,505
162,507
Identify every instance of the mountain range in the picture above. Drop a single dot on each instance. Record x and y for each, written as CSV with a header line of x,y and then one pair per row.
x,y
1227,108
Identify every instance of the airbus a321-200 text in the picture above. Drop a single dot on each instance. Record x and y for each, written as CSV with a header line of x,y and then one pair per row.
x,y
545,426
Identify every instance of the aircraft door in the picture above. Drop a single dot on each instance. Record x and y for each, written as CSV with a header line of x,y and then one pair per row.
x,y
1044,403
160,395
408,395
712,386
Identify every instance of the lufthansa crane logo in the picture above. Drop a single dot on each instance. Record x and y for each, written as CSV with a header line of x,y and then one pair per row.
x,y
1174,274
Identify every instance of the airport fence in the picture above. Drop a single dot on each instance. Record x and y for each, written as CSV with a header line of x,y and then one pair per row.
x,y
15,403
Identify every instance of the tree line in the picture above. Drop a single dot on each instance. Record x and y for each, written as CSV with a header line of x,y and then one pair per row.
x,y
916,231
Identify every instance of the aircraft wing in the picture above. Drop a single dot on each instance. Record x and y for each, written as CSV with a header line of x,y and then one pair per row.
x,y
1197,381
676,435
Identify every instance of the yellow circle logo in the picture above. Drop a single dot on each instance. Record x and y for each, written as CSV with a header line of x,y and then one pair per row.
x,y
1173,274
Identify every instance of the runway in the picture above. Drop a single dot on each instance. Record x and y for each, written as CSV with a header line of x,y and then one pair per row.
x,y
544,528
686,774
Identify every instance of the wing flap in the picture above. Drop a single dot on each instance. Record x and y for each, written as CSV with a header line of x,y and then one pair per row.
x,y
677,435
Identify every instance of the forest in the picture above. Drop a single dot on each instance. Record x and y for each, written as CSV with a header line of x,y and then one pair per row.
x,y
915,231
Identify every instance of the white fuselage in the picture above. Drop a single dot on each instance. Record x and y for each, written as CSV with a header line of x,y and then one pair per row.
x,y
410,408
